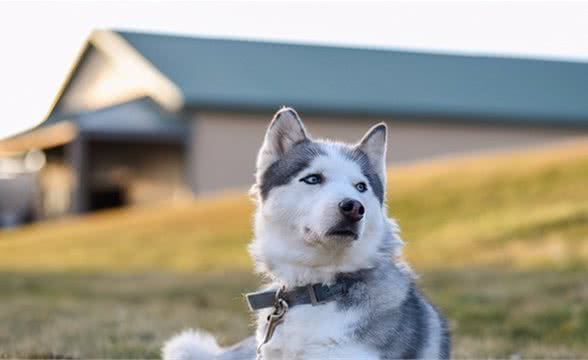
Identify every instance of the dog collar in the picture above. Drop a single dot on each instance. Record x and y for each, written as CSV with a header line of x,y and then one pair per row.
x,y
314,294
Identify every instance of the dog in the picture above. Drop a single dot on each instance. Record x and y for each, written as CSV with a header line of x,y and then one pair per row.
x,y
337,288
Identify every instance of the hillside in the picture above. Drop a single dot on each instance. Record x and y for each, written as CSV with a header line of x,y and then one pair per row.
x,y
518,210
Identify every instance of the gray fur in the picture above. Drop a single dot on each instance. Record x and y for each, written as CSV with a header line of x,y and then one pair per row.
x,y
294,151
299,157
445,339
292,162
361,158
396,331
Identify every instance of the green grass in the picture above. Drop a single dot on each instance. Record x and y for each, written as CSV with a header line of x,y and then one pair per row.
x,y
113,315
501,243
493,314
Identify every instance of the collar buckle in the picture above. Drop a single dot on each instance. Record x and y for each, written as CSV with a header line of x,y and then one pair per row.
x,y
313,295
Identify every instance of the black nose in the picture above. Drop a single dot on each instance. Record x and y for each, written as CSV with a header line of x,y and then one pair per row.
x,y
353,210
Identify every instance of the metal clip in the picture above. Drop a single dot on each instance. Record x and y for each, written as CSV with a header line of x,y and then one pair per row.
x,y
274,319
313,297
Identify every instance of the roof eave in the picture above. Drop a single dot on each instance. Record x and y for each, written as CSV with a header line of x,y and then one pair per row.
x,y
40,138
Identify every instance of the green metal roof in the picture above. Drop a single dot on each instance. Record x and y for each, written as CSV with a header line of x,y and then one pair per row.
x,y
247,75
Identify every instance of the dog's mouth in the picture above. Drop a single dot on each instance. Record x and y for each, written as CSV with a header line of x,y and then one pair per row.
x,y
344,232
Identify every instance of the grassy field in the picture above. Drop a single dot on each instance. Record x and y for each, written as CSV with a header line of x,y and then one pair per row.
x,y
500,242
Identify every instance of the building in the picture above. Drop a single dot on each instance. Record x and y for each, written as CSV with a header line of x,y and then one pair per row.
x,y
144,117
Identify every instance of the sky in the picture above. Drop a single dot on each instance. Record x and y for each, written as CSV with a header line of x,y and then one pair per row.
x,y
40,40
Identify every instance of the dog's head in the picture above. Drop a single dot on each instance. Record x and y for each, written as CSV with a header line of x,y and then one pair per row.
x,y
318,201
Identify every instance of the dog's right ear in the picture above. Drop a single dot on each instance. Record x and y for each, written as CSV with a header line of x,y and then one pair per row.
x,y
285,130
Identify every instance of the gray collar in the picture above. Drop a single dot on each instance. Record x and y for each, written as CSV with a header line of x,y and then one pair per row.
x,y
314,294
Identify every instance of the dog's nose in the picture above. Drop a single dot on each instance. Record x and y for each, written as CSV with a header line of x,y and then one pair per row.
x,y
353,210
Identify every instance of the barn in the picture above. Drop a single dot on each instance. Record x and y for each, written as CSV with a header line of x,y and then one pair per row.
x,y
144,117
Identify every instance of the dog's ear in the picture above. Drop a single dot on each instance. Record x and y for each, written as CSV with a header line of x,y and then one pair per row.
x,y
285,130
374,145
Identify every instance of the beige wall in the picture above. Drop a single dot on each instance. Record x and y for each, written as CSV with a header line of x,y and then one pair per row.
x,y
224,145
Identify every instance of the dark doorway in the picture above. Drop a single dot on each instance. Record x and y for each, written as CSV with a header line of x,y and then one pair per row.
x,y
106,198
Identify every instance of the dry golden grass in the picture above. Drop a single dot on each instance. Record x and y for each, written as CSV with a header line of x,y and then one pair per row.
x,y
527,209
196,236
517,210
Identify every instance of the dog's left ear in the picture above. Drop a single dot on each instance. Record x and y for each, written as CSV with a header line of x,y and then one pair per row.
x,y
373,144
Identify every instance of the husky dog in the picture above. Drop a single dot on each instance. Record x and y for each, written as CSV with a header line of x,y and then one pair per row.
x,y
337,289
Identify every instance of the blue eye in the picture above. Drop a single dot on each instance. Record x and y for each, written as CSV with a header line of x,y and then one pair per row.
x,y
361,187
312,179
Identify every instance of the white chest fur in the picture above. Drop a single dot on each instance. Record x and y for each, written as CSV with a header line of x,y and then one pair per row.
x,y
313,332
